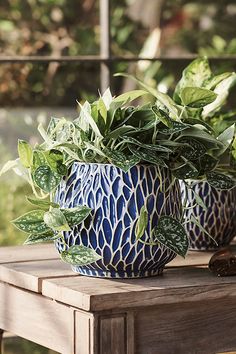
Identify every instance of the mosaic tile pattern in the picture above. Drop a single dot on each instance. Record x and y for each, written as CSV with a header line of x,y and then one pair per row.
x,y
219,219
116,198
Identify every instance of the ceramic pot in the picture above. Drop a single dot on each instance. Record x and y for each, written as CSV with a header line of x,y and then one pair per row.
x,y
219,220
116,198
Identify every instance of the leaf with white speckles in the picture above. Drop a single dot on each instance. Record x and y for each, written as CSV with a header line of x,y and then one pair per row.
x,y
220,181
171,234
75,216
55,219
80,255
46,179
31,222
39,238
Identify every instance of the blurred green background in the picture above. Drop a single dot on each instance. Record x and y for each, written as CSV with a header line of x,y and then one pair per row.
x,y
31,93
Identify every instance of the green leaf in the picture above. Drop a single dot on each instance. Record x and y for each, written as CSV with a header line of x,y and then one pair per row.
x,y
46,179
31,222
194,75
56,220
199,200
226,138
153,147
170,233
194,150
38,238
222,91
43,204
207,163
163,117
185,171
102,109
200,134
141,223
75,216
148,156
129,96
196,97
220,181
55,159
196,222
79,255
25,153
125,162
164,99
176,128
90,121
39,159
215,80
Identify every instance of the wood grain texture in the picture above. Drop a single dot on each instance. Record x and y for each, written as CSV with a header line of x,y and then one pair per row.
x,y
176,285
113,336
27,253
37,318
192,328
29,275
85,333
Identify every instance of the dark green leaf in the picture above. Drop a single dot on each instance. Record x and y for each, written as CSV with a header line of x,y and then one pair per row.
x,y
207,163
186,171
31,222
196,97
194,150
120,160
148,156
56,220
220,181
75,216
38,238
170,233
163,117
134,141
176,127
141,223
43,204
201,135
25,153
46,179
79,255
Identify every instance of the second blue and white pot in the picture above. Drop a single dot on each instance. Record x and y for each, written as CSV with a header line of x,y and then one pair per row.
x,y
219,220
116,199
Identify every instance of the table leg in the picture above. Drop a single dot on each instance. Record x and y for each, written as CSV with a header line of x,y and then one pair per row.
x,y
1,335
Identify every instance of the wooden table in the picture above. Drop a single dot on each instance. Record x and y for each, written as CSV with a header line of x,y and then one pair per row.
x,y
187,310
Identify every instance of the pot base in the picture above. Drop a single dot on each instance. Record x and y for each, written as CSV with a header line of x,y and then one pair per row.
x,y
116,275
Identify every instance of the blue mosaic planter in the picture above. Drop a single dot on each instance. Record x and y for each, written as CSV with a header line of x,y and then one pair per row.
x,y
116,198
219,220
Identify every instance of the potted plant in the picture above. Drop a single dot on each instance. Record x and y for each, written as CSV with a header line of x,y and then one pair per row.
x,y
217,213
106,183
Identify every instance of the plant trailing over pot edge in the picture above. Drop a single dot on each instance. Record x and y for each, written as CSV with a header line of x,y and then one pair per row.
x,y
168,134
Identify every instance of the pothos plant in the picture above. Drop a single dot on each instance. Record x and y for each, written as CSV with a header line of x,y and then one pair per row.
x,y
168,134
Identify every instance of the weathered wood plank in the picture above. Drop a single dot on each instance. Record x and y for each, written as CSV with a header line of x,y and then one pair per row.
x,y
177,284
29,275
113,336
27,253
37,318
190,328
85,333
